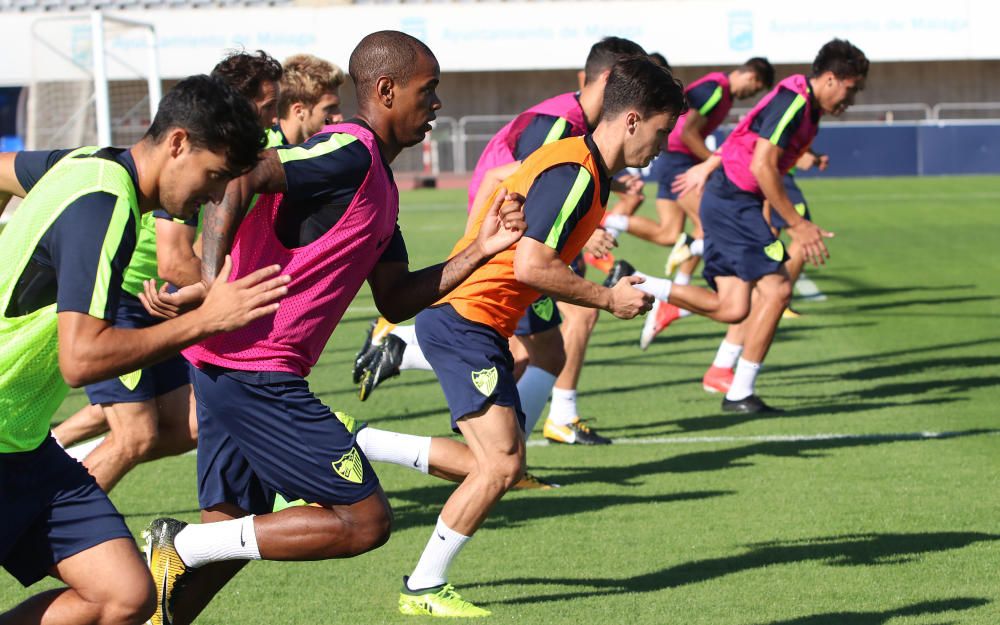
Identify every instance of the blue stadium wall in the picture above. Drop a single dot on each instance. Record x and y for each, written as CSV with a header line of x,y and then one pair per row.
x,y
902,149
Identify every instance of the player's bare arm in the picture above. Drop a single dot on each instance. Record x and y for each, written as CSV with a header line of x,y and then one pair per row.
x,y
765,169
400,294
91,349
691,135
491,181
539,267
175,258
223,219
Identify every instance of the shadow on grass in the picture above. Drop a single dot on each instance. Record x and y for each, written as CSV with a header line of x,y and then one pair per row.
x,y
722,421
518,508
846,550
883,617
733,457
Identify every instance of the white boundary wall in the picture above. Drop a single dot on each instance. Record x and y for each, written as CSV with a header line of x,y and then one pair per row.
x,y
530,36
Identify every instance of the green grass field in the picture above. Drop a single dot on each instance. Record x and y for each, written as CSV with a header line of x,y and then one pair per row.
x,y
872,500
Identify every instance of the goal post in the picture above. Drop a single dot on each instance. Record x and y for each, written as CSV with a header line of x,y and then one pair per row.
x,y
95,80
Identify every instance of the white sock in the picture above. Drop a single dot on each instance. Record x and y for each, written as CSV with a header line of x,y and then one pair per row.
x,y
727,355
615,224
534,388
407,333
562,410
406,450
682,278
81,451
202,543
698,247
657,287
743,380
441,549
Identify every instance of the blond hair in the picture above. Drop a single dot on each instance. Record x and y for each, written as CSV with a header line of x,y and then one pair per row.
x,y
305,79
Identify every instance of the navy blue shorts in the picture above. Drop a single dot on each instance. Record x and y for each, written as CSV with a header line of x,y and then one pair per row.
x,y
472,361
52,509
666,167
262,433
146,383
798,200
542,315
738,240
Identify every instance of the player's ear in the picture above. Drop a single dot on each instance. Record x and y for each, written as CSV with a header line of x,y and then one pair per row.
x,y
384,88
177,141
631,121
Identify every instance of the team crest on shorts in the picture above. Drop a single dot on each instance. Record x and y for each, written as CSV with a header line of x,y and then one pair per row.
x,y
349,466
800,208
485,380
544,308
131,380
775,251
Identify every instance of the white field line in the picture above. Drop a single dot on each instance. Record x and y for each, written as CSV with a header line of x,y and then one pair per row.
x,y
768,438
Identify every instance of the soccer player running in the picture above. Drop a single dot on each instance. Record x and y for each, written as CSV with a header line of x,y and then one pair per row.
x,y
743,257
566,186
149,411
548,347
710,99
329,217
63,254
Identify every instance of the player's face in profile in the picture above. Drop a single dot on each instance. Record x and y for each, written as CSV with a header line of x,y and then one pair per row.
x,y
417,101
749,88
648,137
325,111
266,102
193,177
839,93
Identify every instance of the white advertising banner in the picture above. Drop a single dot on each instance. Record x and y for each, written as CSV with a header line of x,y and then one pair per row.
x,y
527,36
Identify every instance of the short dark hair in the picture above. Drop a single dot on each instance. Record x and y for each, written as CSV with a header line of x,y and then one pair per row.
x,y
762,69
385,53
660,60
642,84
842,58
245,71
215,116
606,52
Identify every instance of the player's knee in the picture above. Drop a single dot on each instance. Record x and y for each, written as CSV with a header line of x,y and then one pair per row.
x,y
779,292
505,470
733,311
373,529
132,604
550,356
137,444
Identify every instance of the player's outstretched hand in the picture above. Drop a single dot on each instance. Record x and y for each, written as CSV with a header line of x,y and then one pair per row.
x,y
232,305
810,237
600,243
693,180
504,223
163,305
627,301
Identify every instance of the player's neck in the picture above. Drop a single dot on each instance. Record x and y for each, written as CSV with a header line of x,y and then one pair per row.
x,y
292,131
591,101
611,148
388,146
147,165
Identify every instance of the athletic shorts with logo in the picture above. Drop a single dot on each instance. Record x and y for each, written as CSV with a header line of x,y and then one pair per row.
x,y
52,509
261,433
144,384
472,361
798,201
542,315
738,240
666,167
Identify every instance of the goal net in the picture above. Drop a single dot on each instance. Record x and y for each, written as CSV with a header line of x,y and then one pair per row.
x,y
95,81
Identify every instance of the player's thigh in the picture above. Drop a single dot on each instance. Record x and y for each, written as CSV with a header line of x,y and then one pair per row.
x,y
494,436
545,349
734,296
689,205
177,412
134,422
111,572
670,214
775,286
